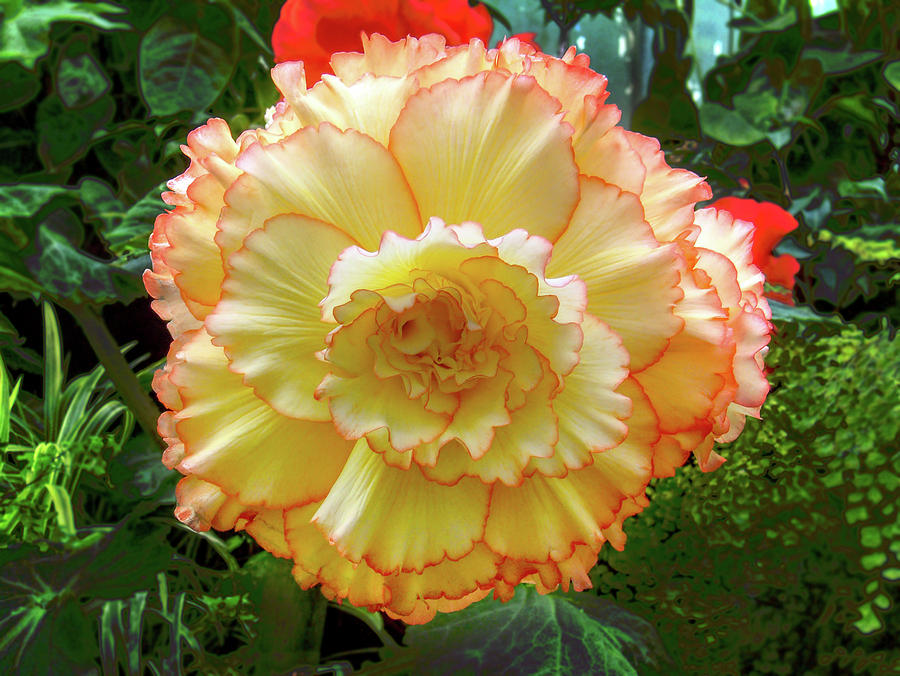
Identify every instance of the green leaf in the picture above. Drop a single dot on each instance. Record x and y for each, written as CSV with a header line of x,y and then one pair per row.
x,y
100,204
242,22
869,187
179,69
25,30
53,372
779,22
841,61
23,200
19,86
756,106
131,234
577,633
291,620
66,271
138,474
728,126
891,73
42,631
80,80
64,135
781,312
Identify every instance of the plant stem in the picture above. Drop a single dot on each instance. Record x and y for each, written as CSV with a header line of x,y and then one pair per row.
x,y
121,375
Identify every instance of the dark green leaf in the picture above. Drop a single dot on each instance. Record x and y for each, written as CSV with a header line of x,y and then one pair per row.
x,y
66,271
64,134
12,280
531,634
138,473
25,30
43,630
100,203
16,355
728,126
242,22
782,312
19,86
290,619
80,80
179,69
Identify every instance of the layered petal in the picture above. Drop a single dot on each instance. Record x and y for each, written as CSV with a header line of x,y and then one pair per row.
x,y
268,319
632,281
372,511
237,442
344,178
473,150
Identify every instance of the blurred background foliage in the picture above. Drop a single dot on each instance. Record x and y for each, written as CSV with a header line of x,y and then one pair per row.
x,y
784,561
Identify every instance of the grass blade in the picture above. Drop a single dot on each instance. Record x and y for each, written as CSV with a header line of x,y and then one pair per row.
x,y
53,375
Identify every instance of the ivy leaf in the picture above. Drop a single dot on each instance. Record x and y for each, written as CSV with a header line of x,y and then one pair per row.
x,y
80,80
131,233
179,69
24,200
25,30
578,633
64,135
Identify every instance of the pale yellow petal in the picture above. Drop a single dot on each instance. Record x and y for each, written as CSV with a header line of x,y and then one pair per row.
x,y
343,178
632,281
398,520
236,441
477,149
269,321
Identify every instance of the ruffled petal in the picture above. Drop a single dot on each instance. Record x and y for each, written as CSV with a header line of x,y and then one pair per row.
x,y
343,178
361,402
668,195
236,441
586,429
269,320
632,281
546,518
398,520
369,105
202,505
474,149
684,383
413,597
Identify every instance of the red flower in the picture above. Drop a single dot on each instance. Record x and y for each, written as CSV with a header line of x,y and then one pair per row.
x,y
312,30
771,223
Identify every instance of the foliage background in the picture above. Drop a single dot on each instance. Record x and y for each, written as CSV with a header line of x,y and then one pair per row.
x,y
784,561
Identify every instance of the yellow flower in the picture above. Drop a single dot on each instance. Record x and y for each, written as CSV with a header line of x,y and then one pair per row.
x,y
438,324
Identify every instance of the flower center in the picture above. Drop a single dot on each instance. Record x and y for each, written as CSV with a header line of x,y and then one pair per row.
x,y
437,326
